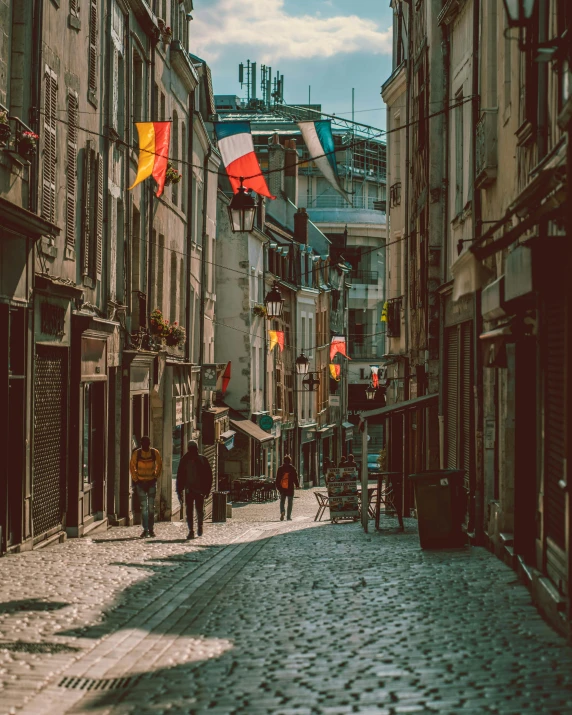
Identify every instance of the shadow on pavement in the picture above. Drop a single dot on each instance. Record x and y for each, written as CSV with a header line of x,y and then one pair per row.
x,y
30,604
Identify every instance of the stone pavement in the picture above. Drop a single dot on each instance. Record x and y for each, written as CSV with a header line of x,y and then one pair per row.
x,y
262,616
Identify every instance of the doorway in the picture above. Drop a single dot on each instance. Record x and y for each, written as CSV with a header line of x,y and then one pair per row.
x,y
92,448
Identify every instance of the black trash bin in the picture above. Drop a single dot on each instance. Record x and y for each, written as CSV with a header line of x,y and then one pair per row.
x,y
219,506
441,502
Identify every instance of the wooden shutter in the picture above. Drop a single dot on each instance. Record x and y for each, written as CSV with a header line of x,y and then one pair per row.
x,y
466,401
452,412
88,166
92,68
74,7
98,217
50,147
71,172
554,419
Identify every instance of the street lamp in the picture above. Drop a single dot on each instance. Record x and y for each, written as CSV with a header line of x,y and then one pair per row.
x,y
519,12
302,364
370,392
241,211
274,303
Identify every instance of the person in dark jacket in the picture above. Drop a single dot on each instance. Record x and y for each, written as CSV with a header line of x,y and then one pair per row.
x,y
343,461
286,480
194,480
351,463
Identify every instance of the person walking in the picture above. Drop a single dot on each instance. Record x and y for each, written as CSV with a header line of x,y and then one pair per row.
x,y
194,480
286,480
145,468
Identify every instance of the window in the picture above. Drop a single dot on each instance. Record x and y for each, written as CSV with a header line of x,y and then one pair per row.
x,y
137,88
175,150
50,146
93,54
74,12
173,276
163,108
160,271
92,232
183,181
71,169
459,109
507,68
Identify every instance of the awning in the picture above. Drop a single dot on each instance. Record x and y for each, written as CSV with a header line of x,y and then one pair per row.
x,y
326,432
417,402
348,425
252,430
469,275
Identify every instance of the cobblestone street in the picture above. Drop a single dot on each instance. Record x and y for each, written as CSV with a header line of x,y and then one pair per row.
x,y
263,616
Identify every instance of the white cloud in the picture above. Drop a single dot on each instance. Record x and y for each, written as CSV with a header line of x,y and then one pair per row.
x,y
266,26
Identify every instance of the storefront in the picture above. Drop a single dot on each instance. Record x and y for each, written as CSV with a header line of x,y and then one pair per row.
x,y
138,375
52,338
308,472
249,457
325,448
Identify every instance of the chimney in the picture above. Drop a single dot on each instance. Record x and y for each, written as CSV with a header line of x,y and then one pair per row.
x,y
276,162
301,226
291,171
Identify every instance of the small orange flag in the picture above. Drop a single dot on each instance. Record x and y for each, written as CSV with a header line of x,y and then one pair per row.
x,y
276,338
335,370
154,139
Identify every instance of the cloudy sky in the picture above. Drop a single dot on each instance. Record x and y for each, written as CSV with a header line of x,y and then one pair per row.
x,y
332,45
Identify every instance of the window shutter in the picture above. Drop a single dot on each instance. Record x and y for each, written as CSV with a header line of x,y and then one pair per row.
x,y
87,207
71,173
98,216
49,165
452,400
115,91
74,7
92,79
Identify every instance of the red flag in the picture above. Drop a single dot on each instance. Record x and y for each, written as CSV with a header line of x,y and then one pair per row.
x,y
338,345
226,378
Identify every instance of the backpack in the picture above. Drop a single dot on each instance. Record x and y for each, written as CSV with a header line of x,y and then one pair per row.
x,y
285,482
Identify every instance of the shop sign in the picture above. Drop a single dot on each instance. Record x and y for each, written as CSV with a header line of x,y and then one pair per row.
x,y
334,401
308,434
349,434
343,494
52,319
179,411
209,377
139,379
276,430
266,422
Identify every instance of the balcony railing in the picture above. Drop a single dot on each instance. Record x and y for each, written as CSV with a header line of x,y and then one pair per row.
x,y
395,194
365,277
15,142
337,202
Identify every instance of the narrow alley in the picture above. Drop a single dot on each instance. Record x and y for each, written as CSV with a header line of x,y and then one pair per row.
x,y
263,616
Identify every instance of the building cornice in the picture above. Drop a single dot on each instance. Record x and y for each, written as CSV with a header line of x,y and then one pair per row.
x,y
395,85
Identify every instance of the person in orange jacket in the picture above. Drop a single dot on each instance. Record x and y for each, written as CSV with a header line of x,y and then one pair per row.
x,y
286,480
145,468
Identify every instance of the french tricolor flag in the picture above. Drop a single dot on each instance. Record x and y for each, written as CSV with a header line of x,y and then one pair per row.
x,y
237,150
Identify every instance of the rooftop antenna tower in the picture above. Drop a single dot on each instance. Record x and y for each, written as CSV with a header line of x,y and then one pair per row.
x,y
250,73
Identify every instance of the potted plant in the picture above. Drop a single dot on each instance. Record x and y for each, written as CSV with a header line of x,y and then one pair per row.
x,y
159,326
167,34
27,143
176,335
259,310
5,131
172,176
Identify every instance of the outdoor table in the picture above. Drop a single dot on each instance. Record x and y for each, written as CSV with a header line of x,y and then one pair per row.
x,y
393,483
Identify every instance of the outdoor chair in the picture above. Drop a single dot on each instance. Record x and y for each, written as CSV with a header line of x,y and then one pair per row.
x,y
323,503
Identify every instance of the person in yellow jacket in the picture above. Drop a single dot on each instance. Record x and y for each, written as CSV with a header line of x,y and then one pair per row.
x,y
145,467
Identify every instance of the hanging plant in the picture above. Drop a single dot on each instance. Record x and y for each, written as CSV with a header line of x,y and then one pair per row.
x,y
172,176
5,131
176,335
158,324
27,143
167,34
259,310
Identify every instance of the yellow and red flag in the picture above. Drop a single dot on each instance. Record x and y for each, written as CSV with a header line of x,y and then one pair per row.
x,y
276,338
335,370
154,138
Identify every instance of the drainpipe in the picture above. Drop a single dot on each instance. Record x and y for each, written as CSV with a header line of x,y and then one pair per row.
x,y
149,286
407,170
203,281
265,333
444,253
478,513
189,237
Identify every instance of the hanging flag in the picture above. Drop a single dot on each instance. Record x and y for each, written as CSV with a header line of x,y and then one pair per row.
x,y
335,371
154,138
237,151
338,345
384,312
374,375
276,338
226,378
319,141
